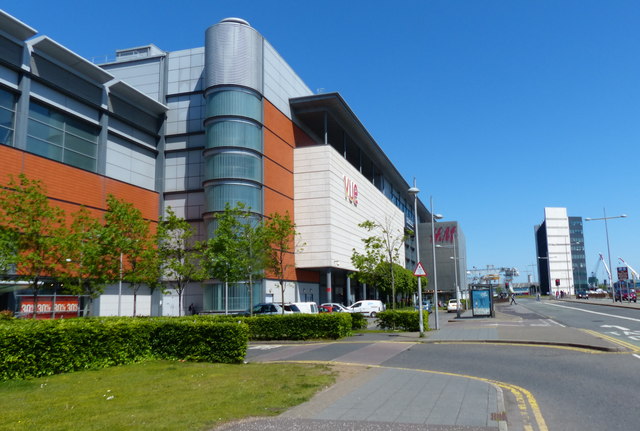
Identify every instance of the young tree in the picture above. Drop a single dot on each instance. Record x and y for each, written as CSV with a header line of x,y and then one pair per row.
x,y
280,233
224,255
33,228
85,271
179,256
133,255
381,247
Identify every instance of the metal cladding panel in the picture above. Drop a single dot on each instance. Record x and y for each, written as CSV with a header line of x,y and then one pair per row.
x,y
233,56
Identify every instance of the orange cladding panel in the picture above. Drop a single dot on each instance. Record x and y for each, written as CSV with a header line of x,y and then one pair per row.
x,y
72,187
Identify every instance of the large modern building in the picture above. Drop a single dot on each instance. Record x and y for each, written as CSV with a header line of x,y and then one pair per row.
x,y
560,253
197,129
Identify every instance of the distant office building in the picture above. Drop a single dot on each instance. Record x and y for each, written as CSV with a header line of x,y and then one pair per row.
x,y
554,251
451,258
578,257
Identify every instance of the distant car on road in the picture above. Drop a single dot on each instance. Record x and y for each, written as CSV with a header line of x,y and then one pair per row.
x,y
582,294
452,305
426,306
626,295
334,307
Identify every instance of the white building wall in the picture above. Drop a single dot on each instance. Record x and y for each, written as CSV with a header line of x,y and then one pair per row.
x,y
324,215
559,247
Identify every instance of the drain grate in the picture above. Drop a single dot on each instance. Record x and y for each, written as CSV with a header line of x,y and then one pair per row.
x,y
499,417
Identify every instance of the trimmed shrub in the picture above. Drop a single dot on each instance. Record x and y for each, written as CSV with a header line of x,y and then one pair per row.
x,y
402,320
358,321
293,326
34,348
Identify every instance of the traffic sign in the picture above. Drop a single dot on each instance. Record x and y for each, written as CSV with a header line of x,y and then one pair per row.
x,y
419,271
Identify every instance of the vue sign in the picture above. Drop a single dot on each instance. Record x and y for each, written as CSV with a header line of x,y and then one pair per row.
x,y
350,190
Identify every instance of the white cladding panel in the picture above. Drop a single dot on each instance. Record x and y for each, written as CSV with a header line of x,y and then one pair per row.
x,y
280,81
130,163
559,249
143,75
326,218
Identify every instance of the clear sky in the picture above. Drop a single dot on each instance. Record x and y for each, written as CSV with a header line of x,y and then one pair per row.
x,y
498,108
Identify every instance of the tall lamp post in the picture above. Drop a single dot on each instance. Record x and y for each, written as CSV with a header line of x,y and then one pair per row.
x,y
606,230
414,191
434,217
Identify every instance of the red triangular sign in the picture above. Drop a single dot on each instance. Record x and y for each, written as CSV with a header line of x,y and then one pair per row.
x,y
419,271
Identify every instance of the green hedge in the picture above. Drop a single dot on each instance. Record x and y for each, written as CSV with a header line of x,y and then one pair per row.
x,y
358,321
34,348
403,320
293,326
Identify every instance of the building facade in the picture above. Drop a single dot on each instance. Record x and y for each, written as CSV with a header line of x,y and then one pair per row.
x,y
554,253
198,129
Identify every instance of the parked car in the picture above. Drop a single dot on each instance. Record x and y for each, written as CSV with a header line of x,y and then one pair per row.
x,y
452,305
334,307
270,308
626,295
426,305
369,307
306,307
582,294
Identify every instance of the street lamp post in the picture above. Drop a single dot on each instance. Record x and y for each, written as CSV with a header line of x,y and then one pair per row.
x,y
606,230
433,255
414,191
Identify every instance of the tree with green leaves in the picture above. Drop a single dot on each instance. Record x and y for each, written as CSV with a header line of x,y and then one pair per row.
x,y
280,236
34,229
133,256
224,255
382,246
85,270
178,253
405,282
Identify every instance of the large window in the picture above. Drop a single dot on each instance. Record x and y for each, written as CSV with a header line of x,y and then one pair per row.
x,y
234,164
236,102
7,117
61,137
218,195
234,133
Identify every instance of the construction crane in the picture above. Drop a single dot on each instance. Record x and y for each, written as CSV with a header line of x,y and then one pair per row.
x,y
607,268
633,271
492,274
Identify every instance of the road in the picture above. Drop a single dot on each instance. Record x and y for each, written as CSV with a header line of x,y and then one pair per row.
x,y
573,389
596,315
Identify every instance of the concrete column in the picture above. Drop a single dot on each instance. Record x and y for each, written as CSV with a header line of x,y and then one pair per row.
x,y
329,292
349,301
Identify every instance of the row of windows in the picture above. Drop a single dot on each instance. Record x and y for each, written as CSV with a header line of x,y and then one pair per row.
x,y
60,137
7,117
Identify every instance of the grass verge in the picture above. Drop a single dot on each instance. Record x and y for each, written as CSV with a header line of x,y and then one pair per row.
x,y
158,395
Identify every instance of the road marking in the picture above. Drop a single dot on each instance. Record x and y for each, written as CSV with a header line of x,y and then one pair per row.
x,y
556,323
596,312
622,328
637,356
264,346
614,340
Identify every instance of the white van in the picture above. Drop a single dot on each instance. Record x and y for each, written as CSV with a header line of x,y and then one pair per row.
x,y
369,307
306,307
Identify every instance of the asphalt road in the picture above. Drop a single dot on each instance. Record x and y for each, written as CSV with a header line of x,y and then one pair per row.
x,y
618,322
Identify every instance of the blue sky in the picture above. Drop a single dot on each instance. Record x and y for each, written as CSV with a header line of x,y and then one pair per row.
x,y
498,108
